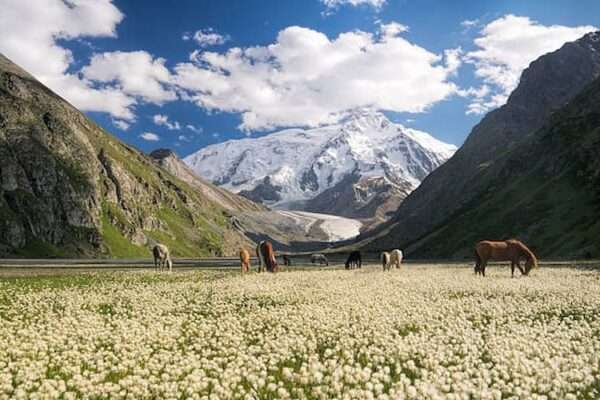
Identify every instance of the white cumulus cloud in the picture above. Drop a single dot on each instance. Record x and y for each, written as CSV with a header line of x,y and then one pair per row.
x,y
392,29
149,136
163,120
306,79
333,4
29,35
206,37
195,129
505,47
137,73
123,125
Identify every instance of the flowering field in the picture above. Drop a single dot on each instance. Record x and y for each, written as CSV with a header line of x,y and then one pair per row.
x,y
420,332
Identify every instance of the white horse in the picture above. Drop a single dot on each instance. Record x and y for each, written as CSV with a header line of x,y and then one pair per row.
x,y
319,258
162,257
385,261
396,258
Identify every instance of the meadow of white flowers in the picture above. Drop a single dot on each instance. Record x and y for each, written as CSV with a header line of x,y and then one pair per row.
x,y
414,333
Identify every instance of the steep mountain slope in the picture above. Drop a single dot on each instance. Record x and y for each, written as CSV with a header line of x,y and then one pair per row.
x,y
290,231
229,201
67,188
545,86
545,191
362,167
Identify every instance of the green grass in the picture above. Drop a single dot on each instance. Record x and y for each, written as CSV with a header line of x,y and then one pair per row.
x,y
37,248
117,244
199,241
555,214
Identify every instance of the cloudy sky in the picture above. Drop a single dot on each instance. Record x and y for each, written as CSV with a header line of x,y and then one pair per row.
x,y
187,73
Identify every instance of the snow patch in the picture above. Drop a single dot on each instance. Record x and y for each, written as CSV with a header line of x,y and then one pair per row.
x,y
336,228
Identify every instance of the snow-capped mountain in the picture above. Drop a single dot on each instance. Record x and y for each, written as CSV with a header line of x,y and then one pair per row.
x,y
362,167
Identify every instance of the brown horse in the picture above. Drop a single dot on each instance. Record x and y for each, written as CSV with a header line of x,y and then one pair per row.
x,y
245,260
266,257
507,250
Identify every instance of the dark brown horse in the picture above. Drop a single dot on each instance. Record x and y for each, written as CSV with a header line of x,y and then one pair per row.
x,y
354,260
506,250
266,257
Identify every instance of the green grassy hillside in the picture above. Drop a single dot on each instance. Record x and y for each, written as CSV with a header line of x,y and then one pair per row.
x,y
70,189
544,190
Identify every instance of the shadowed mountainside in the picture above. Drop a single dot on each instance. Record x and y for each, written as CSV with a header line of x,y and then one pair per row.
x,y
450,193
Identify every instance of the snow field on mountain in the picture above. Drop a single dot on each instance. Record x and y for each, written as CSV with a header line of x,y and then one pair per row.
x,y
304,163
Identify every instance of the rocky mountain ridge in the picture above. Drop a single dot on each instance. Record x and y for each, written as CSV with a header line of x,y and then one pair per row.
x,y
68,188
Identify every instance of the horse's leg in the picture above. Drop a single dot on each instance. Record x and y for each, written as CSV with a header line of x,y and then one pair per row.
x,y
483,265
512,269
519,266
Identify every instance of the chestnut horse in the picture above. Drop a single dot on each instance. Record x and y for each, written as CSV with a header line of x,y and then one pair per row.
x,y
506,250
266,257
245,260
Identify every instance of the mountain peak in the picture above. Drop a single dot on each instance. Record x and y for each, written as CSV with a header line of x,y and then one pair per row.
x,y
160,154
365,119
328,162
591,37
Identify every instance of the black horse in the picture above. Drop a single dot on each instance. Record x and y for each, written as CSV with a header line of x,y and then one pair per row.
x,y
354,260
286,260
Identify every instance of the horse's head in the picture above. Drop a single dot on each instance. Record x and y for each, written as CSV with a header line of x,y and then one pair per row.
x,y
530,264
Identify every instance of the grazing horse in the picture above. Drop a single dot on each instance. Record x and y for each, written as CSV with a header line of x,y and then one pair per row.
x,y
286,260
396,258
354,260
507,250
245,260
319,258
266,257
385,261
162,257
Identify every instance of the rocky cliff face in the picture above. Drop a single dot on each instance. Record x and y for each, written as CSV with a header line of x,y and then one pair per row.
x,y
360,168
546,85
68,188
229,201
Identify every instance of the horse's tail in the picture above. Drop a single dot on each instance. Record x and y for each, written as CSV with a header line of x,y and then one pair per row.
x,y
478,261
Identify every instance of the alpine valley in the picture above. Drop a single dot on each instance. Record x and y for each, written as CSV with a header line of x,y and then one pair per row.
x,y
70,189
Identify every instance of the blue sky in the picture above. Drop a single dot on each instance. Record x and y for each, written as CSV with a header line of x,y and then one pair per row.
x,y
163,73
